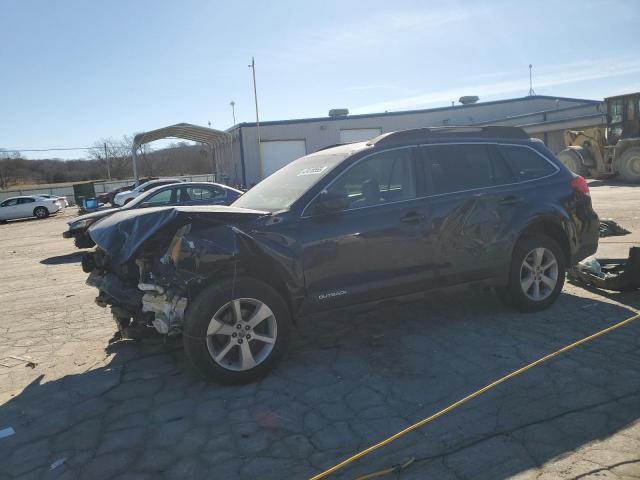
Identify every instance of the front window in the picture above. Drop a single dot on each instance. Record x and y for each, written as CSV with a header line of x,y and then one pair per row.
x,y
281,189
157,199
385,177
615,111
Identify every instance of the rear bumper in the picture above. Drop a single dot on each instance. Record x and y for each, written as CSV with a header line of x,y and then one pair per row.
x,y
588,236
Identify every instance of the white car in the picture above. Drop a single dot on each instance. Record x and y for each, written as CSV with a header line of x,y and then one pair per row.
x,y
28,206
63,200
125,197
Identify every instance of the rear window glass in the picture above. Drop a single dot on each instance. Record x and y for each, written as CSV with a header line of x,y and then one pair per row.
x,y
526,163
455,168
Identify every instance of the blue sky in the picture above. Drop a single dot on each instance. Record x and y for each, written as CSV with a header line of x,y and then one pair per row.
x,y
77,71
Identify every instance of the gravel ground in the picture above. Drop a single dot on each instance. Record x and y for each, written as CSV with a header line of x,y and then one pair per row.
x,y
82,408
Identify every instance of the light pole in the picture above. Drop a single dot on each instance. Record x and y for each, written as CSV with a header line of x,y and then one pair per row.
x,y
233,111
106,159
531,92
255,97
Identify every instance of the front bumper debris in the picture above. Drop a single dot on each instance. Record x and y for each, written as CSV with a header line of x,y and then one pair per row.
x,y
609,274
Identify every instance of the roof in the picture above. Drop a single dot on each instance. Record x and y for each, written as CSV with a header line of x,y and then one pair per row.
x,y
406,112
417,135
185,131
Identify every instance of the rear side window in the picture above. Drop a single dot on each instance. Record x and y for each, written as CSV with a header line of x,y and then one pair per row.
x,y
25,200
455,168
205,193
526,163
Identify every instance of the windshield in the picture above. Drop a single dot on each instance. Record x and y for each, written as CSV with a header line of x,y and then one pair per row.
x,y
281,189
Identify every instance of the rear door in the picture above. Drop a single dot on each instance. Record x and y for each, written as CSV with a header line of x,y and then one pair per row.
x,y
374,248
472,199
25,207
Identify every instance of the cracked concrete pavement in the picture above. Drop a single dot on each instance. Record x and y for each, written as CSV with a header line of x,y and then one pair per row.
x,y
84,409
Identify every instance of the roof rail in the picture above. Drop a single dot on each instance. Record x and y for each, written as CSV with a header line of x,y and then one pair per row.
x,y
417,135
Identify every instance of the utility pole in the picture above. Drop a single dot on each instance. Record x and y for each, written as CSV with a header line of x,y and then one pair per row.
x,y
531,92
106,159
233,105
255,97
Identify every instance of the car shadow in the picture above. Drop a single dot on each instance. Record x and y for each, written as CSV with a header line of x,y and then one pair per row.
x,y
74,257
349,380
630,299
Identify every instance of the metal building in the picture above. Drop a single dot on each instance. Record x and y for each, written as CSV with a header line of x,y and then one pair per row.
x,y
282,141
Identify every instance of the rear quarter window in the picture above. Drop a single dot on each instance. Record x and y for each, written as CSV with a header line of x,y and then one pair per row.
x,y
526,163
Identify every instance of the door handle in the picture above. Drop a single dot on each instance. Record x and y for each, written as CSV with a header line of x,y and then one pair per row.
x,y
511,200
413,217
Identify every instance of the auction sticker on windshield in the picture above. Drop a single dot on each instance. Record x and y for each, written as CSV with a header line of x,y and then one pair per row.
x,y
312,171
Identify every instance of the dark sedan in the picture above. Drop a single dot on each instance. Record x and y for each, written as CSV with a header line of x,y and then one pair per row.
x,y
184,193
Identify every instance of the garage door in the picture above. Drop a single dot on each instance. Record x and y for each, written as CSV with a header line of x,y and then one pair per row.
x,y
351,135
276,154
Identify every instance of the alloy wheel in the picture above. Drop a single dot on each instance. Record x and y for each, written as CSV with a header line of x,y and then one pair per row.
x,y
242,334
539,274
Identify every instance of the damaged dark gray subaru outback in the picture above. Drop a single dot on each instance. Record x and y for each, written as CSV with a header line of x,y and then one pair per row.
x,y
361,223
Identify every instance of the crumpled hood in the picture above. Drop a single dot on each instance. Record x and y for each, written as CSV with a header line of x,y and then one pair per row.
x,y
120,235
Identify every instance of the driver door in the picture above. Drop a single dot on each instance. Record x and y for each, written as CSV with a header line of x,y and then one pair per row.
x,y
373,249
8,209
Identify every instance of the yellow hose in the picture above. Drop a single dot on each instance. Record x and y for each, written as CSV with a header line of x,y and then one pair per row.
x,y
475,394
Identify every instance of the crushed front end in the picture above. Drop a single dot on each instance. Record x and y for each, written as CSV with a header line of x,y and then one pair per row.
x,y
147,266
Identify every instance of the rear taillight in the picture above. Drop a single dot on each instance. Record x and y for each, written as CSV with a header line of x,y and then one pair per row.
x,y
580,185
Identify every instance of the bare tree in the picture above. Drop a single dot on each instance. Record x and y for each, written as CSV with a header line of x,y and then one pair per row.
x,y
116,152
9,168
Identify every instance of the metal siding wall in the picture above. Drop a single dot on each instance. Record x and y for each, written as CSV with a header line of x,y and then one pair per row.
x,y
324,132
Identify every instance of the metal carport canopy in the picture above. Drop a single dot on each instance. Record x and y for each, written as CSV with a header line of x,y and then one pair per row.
x,y
186,131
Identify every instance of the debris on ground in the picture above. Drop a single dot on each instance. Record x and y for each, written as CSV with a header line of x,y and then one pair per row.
x,y
7,432
610,228
31,364
622,275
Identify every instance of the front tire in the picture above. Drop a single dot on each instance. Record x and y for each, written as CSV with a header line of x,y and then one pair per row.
x,y
236,334
40,212
629,165
536,275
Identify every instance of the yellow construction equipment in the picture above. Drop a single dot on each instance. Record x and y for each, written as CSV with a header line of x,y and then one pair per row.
x,y
610,151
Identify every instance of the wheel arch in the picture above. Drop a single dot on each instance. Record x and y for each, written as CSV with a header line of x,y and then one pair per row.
x,y
255,269
551,229
38,207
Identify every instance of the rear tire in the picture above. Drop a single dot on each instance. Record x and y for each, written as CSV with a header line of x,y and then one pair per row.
x,y
536,274
40,212
571,160
220,345
629,165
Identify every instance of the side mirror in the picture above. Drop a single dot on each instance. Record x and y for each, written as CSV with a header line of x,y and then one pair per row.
x,y
330,202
